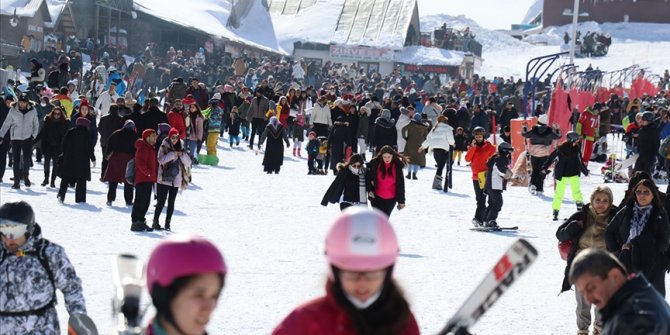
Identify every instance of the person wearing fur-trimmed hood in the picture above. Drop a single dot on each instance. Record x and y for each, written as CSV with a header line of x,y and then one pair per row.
x,y
350,185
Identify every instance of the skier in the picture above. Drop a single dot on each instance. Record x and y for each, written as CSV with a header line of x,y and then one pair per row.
x,y
478,154
185,277
497,174
541,138
567,170
588,128
32,269
350,186
361,295
586,229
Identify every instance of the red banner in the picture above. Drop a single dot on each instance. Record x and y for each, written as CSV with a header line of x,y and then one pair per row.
x,y
640,86
559,111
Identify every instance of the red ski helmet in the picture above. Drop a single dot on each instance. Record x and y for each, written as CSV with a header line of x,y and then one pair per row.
x,y
181,256
361,239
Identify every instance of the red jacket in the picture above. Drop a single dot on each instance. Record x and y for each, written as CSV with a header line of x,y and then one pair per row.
x,y
478,156
146,162
588,125
323,316
176,120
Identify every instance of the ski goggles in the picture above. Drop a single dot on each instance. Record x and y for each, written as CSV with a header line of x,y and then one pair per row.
x,y
12,229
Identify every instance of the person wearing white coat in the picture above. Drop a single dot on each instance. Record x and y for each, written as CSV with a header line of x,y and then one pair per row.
x,y
406,115
440,140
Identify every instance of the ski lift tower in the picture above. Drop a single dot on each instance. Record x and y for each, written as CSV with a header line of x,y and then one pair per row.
x,y
575,15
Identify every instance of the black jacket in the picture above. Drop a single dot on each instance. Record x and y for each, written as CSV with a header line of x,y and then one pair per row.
x,y
571,230
542,135
636,308
647,254
569,162
77,151
109,124
52,135
399,179
384,133
345,185
151,119
648,141
122,140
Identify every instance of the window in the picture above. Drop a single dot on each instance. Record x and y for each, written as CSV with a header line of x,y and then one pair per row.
x,y
368,67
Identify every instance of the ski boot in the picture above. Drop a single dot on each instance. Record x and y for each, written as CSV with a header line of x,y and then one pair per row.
x,y
477,223
580,205
555,216
532,189
491,224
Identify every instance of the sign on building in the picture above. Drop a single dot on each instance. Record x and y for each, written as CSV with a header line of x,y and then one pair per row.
x,y
361,53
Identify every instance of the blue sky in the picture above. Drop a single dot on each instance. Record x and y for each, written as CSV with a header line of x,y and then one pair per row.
x,y
491,14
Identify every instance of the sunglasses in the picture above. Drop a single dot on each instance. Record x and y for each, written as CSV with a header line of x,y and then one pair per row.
x,y
641,192
174,137
12,229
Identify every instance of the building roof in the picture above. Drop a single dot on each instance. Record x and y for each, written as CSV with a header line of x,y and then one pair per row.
x,y
24,8
56,8
212,17
373,23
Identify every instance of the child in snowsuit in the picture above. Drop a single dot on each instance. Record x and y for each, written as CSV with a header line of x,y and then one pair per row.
x,y
497,174
322,157
312,152
460,146
233,128
567,170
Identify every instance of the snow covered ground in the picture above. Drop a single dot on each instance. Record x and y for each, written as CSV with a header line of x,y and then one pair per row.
x,y
271,230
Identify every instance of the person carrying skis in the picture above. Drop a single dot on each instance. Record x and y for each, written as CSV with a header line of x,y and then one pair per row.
x,y
497,175
478,154
38,267
588,128
185,277
541,138
361,295
568,166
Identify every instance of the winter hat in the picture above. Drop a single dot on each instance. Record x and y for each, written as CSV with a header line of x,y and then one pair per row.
x,y
173,132
147,132
216,96
386,114
417,117
83,103
82,121
403,110
163,128
312,133
227,88
129,124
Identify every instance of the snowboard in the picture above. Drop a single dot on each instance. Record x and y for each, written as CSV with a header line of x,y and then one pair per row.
x,y
81,324
514,262
494,229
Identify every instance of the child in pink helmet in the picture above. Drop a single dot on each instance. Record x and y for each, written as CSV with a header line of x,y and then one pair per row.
x,y
361,295
185,277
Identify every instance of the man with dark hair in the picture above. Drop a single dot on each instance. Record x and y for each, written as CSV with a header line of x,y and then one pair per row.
x,y
23,126
629,304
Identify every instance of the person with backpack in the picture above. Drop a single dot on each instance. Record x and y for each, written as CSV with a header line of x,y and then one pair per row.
x,y
185,278
174,165
38,268
586,229
362,297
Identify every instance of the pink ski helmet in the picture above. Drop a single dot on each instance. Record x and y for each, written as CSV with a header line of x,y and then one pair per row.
x,y
181,256
361,239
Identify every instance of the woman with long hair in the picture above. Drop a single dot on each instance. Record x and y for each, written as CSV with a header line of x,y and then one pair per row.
x,y
385,180
173,174
350,185
51,137
195,133
586,229
362,297
639,234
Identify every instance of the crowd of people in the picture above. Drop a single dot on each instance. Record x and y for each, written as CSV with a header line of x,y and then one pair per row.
x,y
151,118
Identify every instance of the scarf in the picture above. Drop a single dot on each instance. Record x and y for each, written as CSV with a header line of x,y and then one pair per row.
x,y
362,190
638,220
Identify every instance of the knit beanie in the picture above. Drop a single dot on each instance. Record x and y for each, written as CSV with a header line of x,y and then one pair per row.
x,y
173,132
129,124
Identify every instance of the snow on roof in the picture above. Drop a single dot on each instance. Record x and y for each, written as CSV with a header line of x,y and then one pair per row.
x,y
533,11
24,8
490,40
620,32
55,9
382,24
429,56
211,17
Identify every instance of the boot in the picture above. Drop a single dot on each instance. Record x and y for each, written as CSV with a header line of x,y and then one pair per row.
x,y
491,224
140,226
167,225
414,175
409,175
156,225
53,181
555,215
299,153
26,181
16,185
294,152
580,205
477,223
437,183
45,181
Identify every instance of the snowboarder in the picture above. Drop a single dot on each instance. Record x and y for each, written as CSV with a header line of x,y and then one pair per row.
x,y
497,175
179,269
567,169
361,294
33,269
478,154
541,138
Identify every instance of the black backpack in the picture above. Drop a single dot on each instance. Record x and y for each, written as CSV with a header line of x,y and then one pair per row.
x,y
39,252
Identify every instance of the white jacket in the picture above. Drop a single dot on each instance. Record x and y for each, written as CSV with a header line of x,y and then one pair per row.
x,y
321,115
104,102
403,120
440,137
21,126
